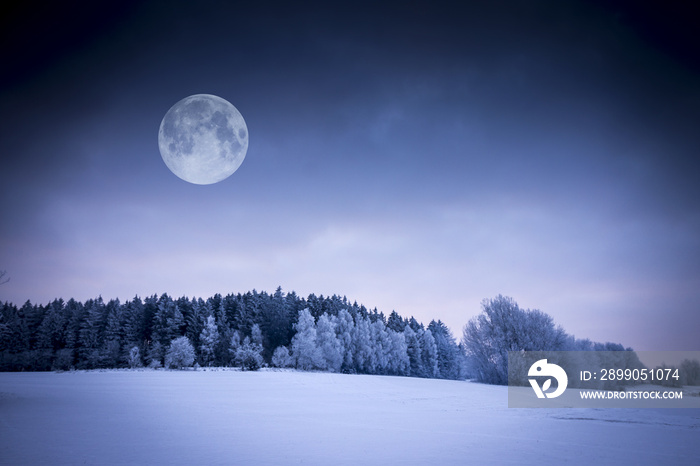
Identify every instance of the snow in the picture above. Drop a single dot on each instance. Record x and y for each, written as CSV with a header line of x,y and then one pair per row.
x,y
314,418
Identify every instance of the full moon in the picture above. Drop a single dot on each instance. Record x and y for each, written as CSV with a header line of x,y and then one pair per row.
x,y
203,139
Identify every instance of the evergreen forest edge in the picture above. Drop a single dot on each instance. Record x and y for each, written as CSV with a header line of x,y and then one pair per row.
x,y
258,329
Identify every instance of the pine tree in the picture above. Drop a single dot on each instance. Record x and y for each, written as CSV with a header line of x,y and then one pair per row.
x,y
447,351
134,326
113,336
395,322
162,329
196,320
51,332
92,333
429,354
413,351
276,321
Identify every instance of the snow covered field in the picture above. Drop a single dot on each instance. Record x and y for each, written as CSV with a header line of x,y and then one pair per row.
x,y
288,417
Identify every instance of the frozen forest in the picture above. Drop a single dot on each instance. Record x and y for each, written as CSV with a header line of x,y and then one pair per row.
x,y
248,330
258,329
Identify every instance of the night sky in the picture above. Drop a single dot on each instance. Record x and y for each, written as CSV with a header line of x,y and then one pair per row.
x,y
412,156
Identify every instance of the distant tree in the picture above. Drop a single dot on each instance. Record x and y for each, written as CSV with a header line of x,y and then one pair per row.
x,y
51,334
447,350
168,321
194,319
63,359
180,354
281,357
135,357
155,355
110,350
209,339
92,334
395,322
344,327
256,337
503,326
134,326
328,344
276,321
362,345
234,343
305,351
249,355
381,346
398,362
413,351
415,325
429,354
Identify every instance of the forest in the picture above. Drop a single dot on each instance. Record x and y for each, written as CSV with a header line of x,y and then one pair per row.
x,y
248,330
258,329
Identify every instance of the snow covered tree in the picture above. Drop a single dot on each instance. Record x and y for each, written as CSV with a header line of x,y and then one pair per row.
x,y
503,326
395,322
209,339
429,354
195,313
135,357
167,322
51,332
180,354
305,352
134,326
447,351
256,337
92,334
328,344
362,345
397,362
249,355
234,343
110,350
343,330
281,357
413,351
381,344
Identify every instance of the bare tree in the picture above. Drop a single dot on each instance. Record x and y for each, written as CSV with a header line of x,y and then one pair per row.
x,y
3,280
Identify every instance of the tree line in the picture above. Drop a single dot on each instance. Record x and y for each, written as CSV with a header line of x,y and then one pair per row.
x,y
258,329
248,330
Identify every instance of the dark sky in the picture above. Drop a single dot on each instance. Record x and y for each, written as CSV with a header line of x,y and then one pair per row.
x,y
415,156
